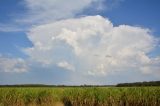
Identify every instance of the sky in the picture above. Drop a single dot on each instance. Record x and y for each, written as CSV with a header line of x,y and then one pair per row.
x,y
76,42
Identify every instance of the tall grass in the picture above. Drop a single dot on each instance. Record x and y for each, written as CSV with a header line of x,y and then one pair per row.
x,y
78,96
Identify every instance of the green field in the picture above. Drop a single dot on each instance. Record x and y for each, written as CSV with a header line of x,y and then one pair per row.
x,y
80,96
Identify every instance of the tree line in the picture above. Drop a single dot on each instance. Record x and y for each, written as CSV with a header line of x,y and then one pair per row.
x,y
150,83
134,84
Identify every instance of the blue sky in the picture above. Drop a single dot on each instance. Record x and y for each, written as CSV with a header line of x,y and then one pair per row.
x,y
54,42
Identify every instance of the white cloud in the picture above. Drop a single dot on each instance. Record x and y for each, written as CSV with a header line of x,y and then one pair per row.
x,y
66,65
13,65
45,11
93,46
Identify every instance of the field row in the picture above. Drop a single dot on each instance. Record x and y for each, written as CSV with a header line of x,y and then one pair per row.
x,y
80,96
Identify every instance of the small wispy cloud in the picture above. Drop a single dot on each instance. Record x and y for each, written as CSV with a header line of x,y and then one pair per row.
x,y
52,10
10,28
16,65
66,65
43,12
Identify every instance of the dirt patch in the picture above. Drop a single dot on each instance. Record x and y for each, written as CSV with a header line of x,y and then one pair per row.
x,y
59,104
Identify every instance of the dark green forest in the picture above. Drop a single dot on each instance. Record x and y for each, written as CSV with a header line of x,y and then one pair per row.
x,y
135,84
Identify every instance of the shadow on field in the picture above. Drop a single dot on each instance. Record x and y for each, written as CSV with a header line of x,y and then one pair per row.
x,y
67,102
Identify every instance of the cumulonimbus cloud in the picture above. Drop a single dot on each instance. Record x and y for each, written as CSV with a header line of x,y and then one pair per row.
x,y
93,46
